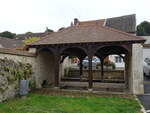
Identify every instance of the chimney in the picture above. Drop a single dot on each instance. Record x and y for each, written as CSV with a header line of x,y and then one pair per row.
x,y
71,24
76,21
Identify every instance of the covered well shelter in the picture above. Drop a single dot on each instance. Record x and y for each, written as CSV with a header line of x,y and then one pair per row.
x,y
91,40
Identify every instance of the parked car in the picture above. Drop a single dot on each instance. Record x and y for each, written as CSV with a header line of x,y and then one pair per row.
x,y
85,62
146,67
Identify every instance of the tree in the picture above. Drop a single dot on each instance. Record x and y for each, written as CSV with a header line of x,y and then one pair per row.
x,y
143,29
30,40
7,34
48,30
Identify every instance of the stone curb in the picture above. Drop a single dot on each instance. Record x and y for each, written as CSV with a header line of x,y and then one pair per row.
x,y
142,107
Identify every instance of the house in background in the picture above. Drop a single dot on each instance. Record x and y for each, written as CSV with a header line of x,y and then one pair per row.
x,y
146,47
30,34
125,23
10,43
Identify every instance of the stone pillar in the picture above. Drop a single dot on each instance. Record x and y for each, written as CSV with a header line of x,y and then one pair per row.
x,y
136,70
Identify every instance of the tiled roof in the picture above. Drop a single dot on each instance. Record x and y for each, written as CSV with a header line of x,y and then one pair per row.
x,y
124,23
28,35
98,22
16,52
10,43
87,34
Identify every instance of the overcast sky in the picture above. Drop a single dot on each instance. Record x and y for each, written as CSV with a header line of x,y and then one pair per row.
x,y
20,16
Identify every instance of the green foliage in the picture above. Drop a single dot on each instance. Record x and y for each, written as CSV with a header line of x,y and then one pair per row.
x,y
32,84
30,40
111,64
143,29
7,34
15,70
6,68
48,30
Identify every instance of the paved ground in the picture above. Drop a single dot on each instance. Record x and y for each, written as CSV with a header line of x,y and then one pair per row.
x,y
145,99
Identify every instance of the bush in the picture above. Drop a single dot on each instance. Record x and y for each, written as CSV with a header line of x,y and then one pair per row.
x,y
111,64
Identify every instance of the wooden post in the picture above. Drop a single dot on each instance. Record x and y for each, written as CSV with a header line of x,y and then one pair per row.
x,y
126,70
81,67
57,62
102,69
90,72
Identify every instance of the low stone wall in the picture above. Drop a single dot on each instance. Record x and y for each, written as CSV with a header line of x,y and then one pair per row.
x,y
10,62
108,74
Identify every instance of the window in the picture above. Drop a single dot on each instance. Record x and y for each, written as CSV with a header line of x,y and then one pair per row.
x,y
118,59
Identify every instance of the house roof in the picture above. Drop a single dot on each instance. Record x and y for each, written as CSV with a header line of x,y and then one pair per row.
x,y
27,35
10,43
87,34
92,22
124,23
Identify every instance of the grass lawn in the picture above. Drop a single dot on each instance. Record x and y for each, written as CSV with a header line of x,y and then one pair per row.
x,y
37,103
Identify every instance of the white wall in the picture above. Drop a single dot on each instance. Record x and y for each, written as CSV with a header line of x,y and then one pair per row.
x,y
146,50
118,65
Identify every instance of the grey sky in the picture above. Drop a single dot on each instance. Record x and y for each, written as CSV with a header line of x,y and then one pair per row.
x,y
21,16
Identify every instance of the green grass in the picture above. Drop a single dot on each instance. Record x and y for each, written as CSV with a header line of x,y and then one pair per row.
x,y
36,103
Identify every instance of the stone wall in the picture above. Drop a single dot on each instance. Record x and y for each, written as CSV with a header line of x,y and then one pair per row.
x,y
135,70
9,85
10,74
108,74
45,68
21,56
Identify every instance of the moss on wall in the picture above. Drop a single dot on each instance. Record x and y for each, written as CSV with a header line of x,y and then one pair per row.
x,y
10,74
15,70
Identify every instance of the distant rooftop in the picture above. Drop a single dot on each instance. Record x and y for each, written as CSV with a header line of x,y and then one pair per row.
x,y
125,23
10,43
